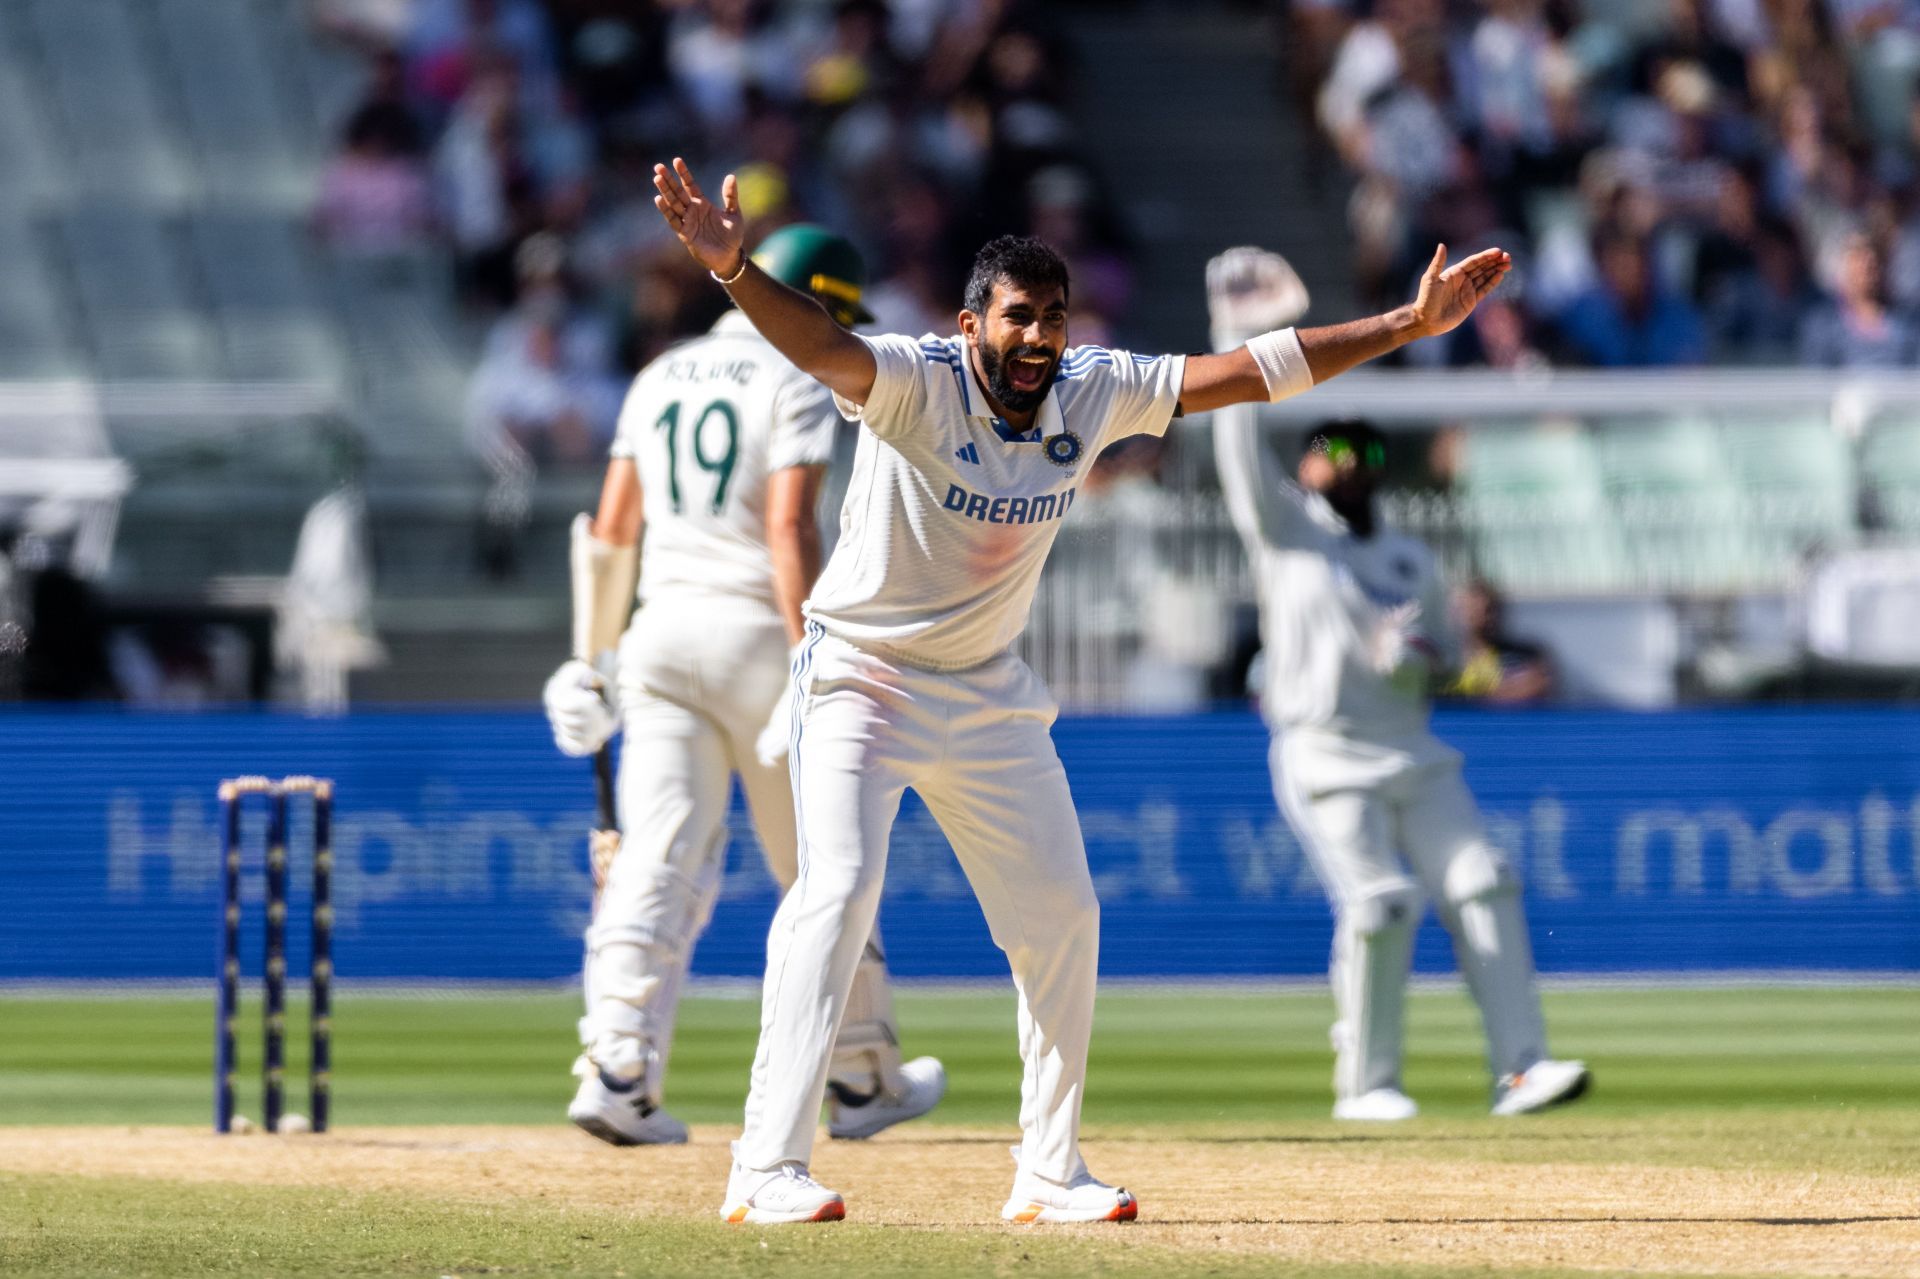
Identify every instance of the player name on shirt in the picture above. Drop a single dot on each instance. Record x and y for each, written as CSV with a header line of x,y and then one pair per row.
x,y
697,372
1007,510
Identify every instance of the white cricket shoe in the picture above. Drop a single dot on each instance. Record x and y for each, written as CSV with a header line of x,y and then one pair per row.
x,y
1382,1105
923,1082
1083,1199
785,1196
622,1116
1543,1084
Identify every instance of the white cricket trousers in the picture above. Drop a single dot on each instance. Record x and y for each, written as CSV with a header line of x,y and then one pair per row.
x,y
975,746
700,676
1383,846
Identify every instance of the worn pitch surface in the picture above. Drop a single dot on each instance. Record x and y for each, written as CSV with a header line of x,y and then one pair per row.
x,y
1416,1201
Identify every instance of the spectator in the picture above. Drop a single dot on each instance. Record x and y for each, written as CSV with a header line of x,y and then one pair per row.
x,y
1858,328
375,199
545,386
384,108
451,43
1628,319
1754,312
546,118
486,187
720,49
1687,130
1494,666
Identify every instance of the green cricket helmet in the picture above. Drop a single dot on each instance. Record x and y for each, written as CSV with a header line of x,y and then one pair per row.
x,y
815,260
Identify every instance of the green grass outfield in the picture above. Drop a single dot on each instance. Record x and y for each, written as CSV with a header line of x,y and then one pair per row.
x,y
1811,1080
1179,1056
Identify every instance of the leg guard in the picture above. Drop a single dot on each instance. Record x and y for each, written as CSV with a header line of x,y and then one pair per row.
x,y
1481,908
1479,902
866,1056
1372,951
639,950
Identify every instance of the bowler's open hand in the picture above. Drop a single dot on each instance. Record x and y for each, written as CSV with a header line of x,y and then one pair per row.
x,y
1448,294
715,234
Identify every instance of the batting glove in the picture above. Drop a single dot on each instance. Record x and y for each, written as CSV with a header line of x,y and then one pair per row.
x,y
577,709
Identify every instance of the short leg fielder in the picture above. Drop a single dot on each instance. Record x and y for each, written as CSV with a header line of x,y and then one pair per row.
x,y
976,747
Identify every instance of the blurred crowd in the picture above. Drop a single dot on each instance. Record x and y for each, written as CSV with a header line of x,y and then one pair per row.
x,y
1681,181
519,136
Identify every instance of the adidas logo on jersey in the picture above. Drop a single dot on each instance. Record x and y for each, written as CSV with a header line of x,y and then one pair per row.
x,y
968,454
1007,510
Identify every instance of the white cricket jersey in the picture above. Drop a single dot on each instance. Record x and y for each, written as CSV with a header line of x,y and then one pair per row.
x,y
1323,594
949,513
707,424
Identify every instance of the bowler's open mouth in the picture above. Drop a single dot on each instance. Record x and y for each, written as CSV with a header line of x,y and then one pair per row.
x,y
1027,372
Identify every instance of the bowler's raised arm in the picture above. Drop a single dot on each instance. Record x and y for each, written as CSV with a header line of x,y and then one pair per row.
x,y
716,235
1273,366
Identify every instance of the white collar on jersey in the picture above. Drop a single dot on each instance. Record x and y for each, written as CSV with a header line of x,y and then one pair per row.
x,y
1049,419
734,321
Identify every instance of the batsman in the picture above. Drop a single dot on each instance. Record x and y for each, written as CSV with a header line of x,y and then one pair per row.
x,y
721,449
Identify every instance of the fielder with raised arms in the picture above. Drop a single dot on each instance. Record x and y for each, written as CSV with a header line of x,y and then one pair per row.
x,y
1354,621
720,452
974,448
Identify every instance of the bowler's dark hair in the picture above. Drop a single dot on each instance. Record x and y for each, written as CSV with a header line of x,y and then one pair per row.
x,y
1020,260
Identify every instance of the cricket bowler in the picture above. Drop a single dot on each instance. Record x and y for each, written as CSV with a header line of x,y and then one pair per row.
x,y
721,448
973,448
1354,620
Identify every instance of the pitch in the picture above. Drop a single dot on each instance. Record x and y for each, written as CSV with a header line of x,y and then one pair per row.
x,y
1734,1131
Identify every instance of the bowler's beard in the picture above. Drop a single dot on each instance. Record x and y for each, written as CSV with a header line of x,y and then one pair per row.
x,y
1011,398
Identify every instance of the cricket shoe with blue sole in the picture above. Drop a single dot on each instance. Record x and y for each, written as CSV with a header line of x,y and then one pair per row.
x,y
1382,1105
852,1117
784,1196
621,1114
1544,1084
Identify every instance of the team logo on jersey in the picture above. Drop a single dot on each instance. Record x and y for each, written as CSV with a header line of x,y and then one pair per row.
x,y
1064,449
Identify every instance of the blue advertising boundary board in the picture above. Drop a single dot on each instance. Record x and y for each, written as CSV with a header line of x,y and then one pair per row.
x,y
1758,839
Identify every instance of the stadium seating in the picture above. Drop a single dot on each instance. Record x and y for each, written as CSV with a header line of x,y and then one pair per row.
x,y
1535,511
112,106
268,308
247,157
1797,484
34,342
1890,473
135,296
1679,510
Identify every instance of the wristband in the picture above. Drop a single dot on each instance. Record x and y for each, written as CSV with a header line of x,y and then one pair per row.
x,y
735,277
1283,363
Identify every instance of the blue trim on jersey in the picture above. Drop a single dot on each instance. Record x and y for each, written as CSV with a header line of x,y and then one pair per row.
x,y
802,667
1081,356
1083,359
960,376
